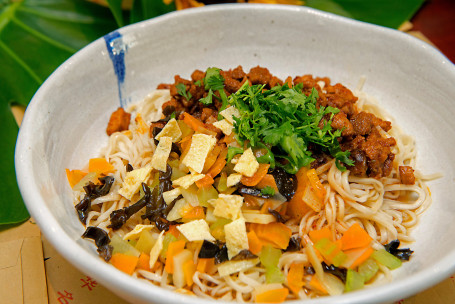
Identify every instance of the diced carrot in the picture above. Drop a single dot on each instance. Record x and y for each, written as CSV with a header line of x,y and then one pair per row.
x,y
173,230
275,233
196,212
357,256
211,158
272,296
316,235
123,262
316,285
217,166
297,207
316,184
173,249
355,237
189,268
267,180
192,122
74,176
265,207
185,144
228,139
203,265
204,182
100,166
295,277
144,262
257,177
254,244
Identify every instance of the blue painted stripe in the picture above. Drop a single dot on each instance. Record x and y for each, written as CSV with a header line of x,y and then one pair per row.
x,y
117,50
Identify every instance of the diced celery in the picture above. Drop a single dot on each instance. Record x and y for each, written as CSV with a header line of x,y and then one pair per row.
x,y
186,130
354,281
176,173
339,258
217,228
270,256
145,242
387,259
190,195
222,183
274,275
175,214
230,267
168,238
178,276
205,194
368,269
121,246
330,251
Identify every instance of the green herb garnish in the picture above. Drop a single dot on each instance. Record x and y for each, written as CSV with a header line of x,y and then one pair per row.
x,y
214,82
289,120
181,90
268,191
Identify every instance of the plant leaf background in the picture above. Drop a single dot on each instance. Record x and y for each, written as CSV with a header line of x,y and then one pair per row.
x,y
36,36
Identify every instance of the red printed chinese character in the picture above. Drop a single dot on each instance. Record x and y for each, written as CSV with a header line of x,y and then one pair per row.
x,y
63,298
89,283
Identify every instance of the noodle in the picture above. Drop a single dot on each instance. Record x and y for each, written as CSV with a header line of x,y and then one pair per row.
x,y
384,208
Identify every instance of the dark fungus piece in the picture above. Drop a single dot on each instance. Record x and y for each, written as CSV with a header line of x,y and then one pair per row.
x,y
339,272
251,191
278,216
403,254
285,182
129,168
102,241
92,192
295,244
120,216
156,209
208,250
244,254
221,255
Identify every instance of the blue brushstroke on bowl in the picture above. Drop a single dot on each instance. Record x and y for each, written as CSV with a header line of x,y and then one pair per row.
x,y
117,49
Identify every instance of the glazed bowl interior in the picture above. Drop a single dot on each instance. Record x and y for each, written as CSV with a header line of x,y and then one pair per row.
x,y
65,123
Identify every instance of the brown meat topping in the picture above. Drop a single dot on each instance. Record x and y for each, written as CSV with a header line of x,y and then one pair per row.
x,y
370,151
407,175
119,121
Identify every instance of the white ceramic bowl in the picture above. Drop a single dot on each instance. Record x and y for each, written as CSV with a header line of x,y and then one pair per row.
x,y
65,122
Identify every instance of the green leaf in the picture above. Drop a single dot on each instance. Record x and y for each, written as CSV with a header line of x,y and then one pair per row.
x,y
116,9
35,38
181,90
146,9
389,13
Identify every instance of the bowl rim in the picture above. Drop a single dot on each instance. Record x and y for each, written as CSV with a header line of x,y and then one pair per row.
x,y
117,281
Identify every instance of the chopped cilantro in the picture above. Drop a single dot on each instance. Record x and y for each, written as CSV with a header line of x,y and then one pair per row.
x,y
268,191
214,82
207,99
181,90
288,120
